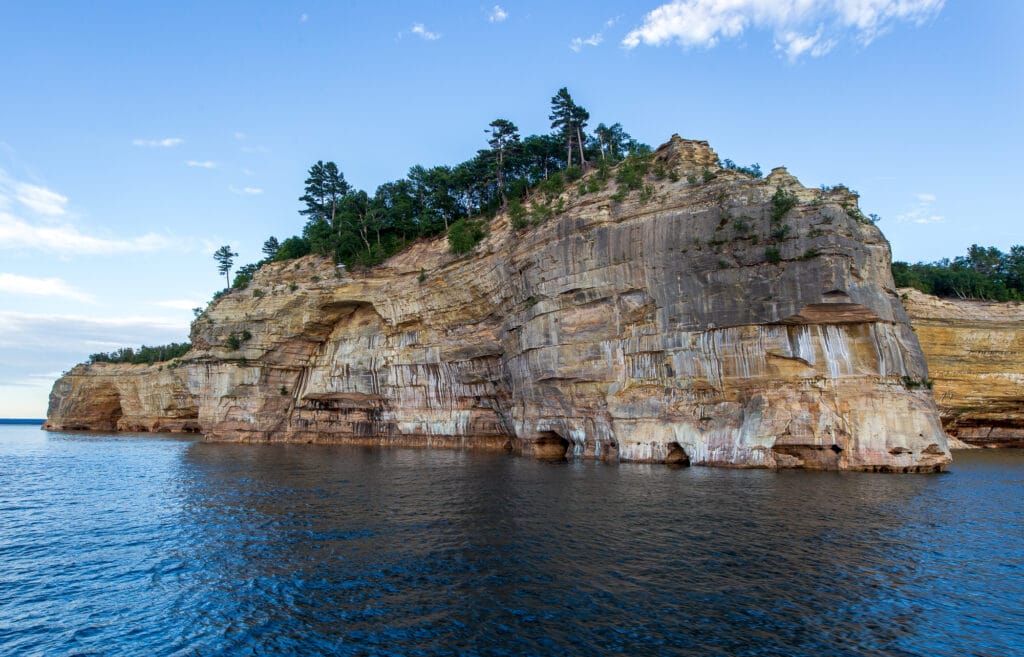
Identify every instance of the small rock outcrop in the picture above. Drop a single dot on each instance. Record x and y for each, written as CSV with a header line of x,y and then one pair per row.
x,y
975,354
697,320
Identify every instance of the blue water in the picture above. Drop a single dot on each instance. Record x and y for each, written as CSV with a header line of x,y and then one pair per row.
x,y
150,545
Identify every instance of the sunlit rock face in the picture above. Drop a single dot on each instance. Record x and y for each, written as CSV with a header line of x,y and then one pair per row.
x,y
975,354
681,324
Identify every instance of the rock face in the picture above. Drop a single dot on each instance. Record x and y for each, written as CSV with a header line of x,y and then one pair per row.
x,y
681,323
975,353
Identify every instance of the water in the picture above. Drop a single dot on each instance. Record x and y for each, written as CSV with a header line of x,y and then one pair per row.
x,y
150,545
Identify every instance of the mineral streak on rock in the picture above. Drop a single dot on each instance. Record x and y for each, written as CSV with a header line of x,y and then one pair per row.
x,y
682,324
975,354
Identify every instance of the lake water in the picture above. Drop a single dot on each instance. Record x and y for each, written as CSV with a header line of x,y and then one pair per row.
x,y
150,545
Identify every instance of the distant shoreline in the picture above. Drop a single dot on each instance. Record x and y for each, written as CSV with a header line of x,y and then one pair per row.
x,y
9,420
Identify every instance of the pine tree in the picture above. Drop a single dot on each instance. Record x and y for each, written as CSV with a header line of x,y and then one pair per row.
x,y
225,257
271,247
325,187
504,140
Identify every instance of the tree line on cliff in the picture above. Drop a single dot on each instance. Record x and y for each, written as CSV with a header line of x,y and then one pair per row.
x,y
984,273
357,228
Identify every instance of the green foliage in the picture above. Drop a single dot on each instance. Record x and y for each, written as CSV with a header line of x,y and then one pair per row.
x,y
646,193
782,203
741,225
283,390
911,383
552,186
754,170
244,276
293,287
540,212
270,248
464,235
631,172
422,278
772,255
292,248
809,254
235,340
984,273
780,232
707,175
518,214
144,354
572,174
225,257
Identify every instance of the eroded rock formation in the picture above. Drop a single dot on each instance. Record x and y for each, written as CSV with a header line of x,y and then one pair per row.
x,y
684,323
975,354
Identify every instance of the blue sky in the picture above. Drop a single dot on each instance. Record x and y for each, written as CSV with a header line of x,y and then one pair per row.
x,y
135,138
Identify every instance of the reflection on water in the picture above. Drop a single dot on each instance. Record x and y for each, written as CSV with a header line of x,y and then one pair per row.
x,y
149,545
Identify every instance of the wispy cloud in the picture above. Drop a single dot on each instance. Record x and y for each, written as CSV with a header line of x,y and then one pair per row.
x,y
35,225
27,331
202,164
303,18
595,39
44,287
16,233
577,44
167,142
246,190
922,211
179,304
497,14
800,27
37,199
420,30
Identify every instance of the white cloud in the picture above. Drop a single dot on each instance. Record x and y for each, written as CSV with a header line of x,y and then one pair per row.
x,y
422,31
202,164
179,304
168,142
39,199
240,136
253,191
577,44
794,44
16,233
811,27
27,331
497,14
45,287
921,212
303,18
42,232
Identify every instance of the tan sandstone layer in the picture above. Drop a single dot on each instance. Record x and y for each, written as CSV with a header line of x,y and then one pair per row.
x,y
681,324
975,354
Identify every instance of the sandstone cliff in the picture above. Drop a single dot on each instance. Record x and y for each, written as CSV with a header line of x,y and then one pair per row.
x,y
683,323
975,354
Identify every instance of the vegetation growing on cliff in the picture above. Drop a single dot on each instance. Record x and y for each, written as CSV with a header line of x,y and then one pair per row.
x,y
357,228
143,355
984,273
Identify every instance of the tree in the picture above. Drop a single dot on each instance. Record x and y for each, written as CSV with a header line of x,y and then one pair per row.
x,y
504,139
225,257
569,119
271,247
561,119
325,187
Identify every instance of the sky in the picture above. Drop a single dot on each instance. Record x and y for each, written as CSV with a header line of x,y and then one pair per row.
x,y
136,137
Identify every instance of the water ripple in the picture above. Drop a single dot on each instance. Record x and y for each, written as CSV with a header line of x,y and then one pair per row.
x,y
150,545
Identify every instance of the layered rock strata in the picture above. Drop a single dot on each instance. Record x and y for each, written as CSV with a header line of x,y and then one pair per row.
x,y
686,322
975,354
